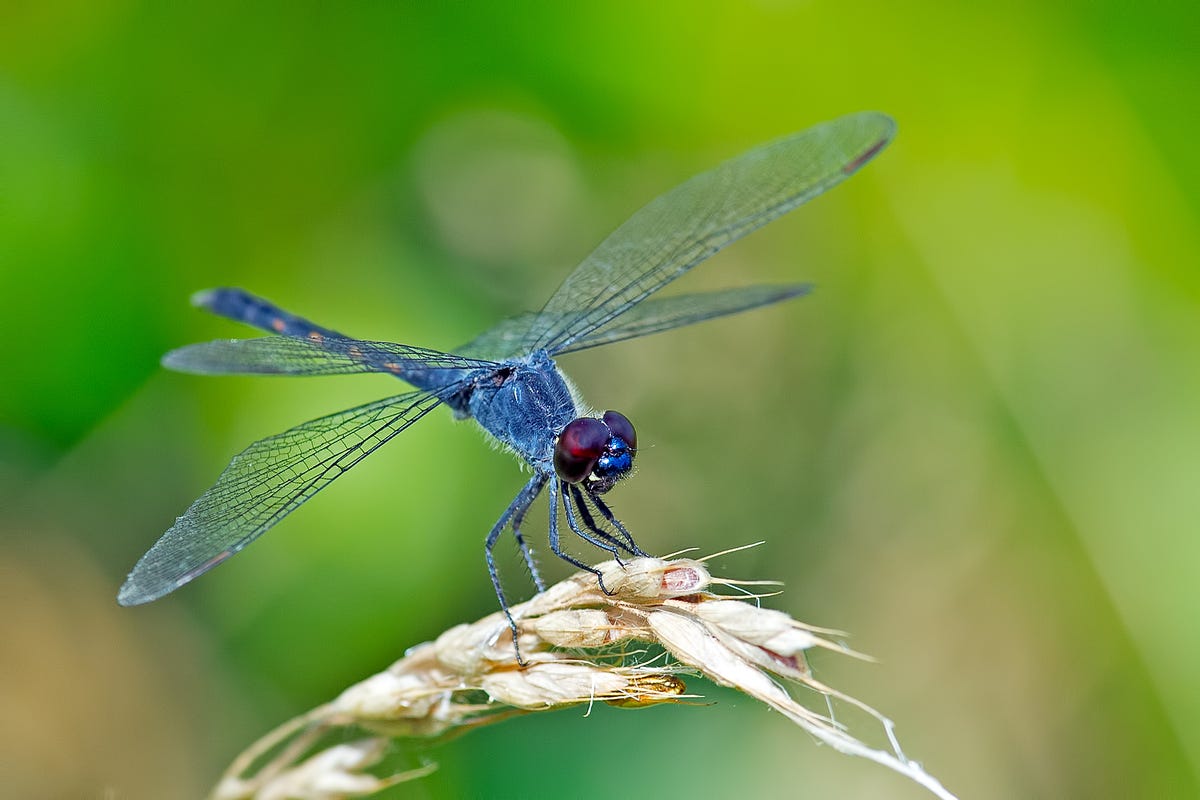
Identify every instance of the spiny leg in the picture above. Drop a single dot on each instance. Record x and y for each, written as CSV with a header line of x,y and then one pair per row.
x,y
606,512
557,548
608,543
590,522
518,518
605,541
519,505
611,518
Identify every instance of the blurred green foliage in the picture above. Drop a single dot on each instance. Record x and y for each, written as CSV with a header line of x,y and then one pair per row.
x,y
975,446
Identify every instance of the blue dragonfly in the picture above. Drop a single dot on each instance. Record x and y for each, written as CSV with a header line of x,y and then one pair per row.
x,y
505,379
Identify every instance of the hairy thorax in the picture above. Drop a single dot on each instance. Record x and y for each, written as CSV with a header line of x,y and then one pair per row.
x,y
525,405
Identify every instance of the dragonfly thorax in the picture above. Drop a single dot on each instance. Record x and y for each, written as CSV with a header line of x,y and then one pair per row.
x,y
596,452
522,404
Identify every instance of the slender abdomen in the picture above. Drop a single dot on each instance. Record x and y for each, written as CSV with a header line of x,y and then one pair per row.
x,y
240,305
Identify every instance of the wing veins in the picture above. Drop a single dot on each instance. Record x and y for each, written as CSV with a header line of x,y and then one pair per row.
x,y
264,483
703,248
285,355
687,225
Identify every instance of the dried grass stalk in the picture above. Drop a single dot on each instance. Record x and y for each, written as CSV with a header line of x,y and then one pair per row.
x,y
581,646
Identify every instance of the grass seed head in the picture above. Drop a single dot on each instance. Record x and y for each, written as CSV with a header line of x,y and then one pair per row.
x,y
469,676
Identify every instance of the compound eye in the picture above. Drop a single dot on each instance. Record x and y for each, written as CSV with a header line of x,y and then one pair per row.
x,y
578,448
620,426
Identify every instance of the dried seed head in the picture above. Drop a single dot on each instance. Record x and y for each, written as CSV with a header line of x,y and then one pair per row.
x,y
337,772
651,690
648,580
566,634
769,629
577,628
551,684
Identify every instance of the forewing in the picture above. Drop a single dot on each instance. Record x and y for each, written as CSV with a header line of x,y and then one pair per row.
x,y
696,219
262,485
665,313
284,355
659,314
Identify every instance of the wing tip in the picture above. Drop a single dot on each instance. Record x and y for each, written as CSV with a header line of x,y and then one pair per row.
x,y
887,132
881,120
146,583
176,360
131,594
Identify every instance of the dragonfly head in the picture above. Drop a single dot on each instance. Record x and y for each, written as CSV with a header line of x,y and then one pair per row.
x,y
596,452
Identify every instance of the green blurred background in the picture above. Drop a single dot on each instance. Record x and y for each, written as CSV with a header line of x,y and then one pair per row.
x,y
975,446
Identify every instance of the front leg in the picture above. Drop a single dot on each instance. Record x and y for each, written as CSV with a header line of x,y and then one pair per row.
x,y
627,544
605,541
557,548
606,512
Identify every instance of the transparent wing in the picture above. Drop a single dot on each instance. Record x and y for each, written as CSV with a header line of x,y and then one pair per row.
x,y
680,229
263,484
652,316
665,313
505,339
284,355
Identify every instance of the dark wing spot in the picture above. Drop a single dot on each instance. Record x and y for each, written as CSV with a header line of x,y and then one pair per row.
x,y
867,155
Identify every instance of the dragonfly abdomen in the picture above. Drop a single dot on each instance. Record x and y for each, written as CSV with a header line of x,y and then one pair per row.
x,y
241,306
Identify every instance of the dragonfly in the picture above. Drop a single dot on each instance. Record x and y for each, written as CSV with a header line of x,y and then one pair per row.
x,y
505,379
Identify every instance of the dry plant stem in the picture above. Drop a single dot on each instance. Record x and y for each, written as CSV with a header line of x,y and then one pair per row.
x,y
581,646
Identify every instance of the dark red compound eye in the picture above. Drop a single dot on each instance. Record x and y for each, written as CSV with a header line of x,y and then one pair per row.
x,y
578,448
620,426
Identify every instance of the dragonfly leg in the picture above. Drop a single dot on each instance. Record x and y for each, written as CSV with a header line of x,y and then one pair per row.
x,y
602,539
606,512
625,543
517,519
557,548
516,510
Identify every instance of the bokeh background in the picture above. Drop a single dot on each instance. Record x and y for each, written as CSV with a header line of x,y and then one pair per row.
x,y
976,446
